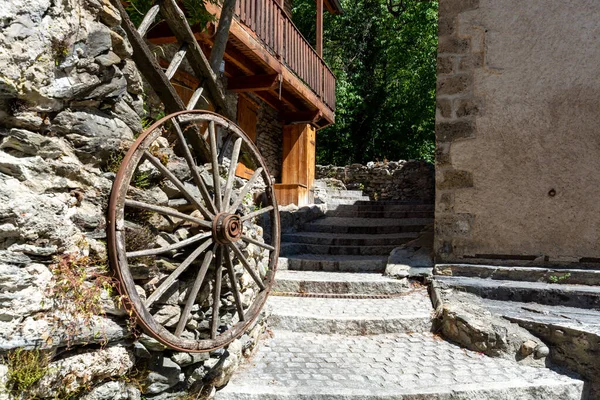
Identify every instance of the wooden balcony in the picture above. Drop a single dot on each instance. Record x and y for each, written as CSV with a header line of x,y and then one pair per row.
x,y
267,55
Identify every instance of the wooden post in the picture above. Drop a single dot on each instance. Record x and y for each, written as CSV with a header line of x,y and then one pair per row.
x,y
298,167
320,28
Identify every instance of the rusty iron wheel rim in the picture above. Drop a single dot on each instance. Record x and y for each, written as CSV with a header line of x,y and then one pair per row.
x,y
223,231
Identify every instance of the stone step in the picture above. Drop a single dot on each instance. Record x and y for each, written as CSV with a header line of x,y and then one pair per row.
x,y
307,366
367,225
394,202
536,292
410,312
379,214
349,198
376,206
291,248
345,193
357,239
336,283
314,262
530,274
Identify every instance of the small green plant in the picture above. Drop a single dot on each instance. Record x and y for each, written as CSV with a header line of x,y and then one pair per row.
x,y
59,49
25,369
559,278
78,284
361,186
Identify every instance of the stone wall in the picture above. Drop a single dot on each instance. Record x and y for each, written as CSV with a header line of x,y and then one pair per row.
x,y
70,100
517,132
394,180
269,136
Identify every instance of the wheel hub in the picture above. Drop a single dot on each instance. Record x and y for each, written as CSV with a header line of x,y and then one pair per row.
x,y
227,228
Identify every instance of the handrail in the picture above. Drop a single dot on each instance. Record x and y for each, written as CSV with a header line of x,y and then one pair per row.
x,y
268,20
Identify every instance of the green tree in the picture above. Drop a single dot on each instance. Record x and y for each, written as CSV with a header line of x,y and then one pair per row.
x,y
385,64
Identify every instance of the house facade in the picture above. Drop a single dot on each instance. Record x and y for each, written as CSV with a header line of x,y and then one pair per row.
x,y
518,143
283,89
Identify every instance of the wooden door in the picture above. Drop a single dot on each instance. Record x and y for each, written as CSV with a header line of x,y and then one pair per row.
x,y
247,116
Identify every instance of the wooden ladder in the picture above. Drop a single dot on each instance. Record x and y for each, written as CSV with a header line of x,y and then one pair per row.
x,y
188,47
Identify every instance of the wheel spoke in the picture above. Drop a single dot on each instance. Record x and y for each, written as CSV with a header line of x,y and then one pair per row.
x,y
215,164
232,166
256,242
234,286
247,266
156,162
245,190
256,213
193,168
193,293
175,274
174,246
167,211
217,293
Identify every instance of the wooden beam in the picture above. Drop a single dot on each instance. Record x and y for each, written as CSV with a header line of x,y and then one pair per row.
x,y
222,34
252,83
304,117
320,28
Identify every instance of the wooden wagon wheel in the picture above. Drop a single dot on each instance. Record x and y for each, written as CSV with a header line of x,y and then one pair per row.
x,y
196,259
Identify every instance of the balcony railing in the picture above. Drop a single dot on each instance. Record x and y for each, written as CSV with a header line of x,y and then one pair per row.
x,y
271,24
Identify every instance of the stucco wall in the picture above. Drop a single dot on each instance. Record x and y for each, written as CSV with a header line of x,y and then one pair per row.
x,y
518,131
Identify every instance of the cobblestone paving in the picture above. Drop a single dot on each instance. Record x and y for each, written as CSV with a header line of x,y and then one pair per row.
x,y
301,363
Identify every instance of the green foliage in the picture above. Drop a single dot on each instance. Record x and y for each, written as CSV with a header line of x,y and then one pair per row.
x,y
386,74
195,11
559,278
25,368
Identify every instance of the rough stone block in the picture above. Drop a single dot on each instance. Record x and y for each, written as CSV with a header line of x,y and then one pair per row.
x,y
471,61
453,45
442,155
454,225
467,107
456,84
455,179
446,25
450,131
444,108
445,65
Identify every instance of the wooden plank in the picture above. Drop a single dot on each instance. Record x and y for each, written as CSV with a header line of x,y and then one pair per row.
x,y
252,83
176,61
320,28
180,28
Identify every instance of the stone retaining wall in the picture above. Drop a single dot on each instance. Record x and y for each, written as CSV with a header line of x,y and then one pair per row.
x,y
394,180
70,100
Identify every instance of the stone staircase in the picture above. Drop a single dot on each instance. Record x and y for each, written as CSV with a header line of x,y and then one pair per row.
x,y
341,330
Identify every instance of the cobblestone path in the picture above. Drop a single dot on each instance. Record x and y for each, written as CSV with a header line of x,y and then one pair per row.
x,y
373,348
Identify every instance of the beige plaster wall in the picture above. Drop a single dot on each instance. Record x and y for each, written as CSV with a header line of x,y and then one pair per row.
x,y
518,128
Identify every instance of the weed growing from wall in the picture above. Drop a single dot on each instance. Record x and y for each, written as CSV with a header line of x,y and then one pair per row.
x,y
25,369
78,285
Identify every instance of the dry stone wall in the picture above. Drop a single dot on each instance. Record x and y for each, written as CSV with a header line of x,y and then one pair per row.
x,y
394,180
71,100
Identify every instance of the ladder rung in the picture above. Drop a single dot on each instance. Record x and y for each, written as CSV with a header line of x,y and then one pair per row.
x,y
195,97
148,20
176,61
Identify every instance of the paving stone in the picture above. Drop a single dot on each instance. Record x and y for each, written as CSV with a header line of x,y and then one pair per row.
x,y
384,379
